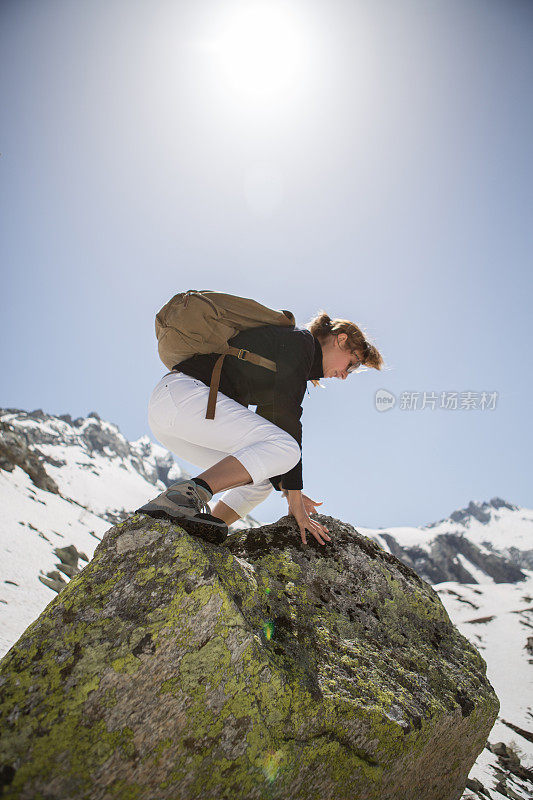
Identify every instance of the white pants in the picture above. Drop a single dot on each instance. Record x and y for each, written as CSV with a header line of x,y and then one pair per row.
x,y
176,415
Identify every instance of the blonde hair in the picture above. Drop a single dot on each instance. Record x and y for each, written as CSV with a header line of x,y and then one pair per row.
x,y
322,326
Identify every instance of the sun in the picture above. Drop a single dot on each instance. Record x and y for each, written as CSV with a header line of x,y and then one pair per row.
x,y
260,50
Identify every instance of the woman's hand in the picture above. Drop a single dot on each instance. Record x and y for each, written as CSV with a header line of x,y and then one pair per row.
x,y
309,505
298,509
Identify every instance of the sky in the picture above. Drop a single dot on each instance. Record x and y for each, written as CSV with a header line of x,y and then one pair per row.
x,y
371,159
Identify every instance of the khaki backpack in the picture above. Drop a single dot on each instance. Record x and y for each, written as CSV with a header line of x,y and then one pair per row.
x,y
199,322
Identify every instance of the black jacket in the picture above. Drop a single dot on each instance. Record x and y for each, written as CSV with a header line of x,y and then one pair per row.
x,y
278,395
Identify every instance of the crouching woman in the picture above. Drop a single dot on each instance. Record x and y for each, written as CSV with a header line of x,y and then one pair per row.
x,y
243,453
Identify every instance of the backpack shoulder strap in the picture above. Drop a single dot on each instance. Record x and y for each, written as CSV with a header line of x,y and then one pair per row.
x,y
245,355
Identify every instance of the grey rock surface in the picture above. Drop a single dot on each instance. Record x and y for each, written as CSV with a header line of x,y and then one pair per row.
x,y
172,668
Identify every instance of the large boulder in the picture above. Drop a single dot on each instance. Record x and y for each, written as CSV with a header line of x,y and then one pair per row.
x,y
173,668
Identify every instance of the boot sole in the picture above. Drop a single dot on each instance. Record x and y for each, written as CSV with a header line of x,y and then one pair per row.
x,y
214,533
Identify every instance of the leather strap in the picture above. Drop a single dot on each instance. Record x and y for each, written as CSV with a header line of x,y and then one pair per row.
x,y
213,389
244,355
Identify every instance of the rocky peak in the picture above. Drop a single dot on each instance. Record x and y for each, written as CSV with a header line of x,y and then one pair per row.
x,y
482,542
51,438
15,452
481,511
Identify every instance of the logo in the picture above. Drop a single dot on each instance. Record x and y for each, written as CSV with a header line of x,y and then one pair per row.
x,y
384,400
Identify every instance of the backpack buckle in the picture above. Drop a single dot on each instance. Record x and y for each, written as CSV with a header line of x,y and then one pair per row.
x,y
242,354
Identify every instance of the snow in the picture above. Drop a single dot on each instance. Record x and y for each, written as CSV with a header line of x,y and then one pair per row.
x,y
59,523
99,484
473,569
501,641
406,536
507,527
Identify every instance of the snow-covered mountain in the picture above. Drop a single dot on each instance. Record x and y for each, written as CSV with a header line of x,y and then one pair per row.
x,y
498,619
485,541
63,482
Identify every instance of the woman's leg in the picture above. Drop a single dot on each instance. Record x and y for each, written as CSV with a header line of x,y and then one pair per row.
x,y
177,409
234,503
242,500
224,512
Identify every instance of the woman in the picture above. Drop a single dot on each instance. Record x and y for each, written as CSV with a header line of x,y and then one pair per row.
x,y
245,453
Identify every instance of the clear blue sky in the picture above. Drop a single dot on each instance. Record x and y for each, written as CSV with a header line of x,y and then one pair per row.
x,y
377,163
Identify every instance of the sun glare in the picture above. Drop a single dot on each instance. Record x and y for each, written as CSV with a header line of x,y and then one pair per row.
x,y
260,50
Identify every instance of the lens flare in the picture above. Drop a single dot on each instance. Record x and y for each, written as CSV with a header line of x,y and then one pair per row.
x,y
268,630
271,764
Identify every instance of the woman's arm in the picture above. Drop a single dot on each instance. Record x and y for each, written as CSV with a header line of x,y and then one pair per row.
x,y
298,508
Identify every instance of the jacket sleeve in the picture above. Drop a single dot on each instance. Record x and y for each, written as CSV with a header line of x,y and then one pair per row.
x,y
294,358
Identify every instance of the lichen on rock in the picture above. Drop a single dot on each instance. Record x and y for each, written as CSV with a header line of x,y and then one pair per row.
x,y
169,667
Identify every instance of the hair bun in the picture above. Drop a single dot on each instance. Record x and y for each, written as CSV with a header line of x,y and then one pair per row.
x,y
322,326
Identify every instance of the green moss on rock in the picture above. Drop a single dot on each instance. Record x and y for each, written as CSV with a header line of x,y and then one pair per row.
x,y
173,668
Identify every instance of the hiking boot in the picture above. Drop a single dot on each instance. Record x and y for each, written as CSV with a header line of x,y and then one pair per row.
x,y
184,502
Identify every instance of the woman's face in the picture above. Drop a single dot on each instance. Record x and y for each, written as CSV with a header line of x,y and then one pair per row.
x,y
336,359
